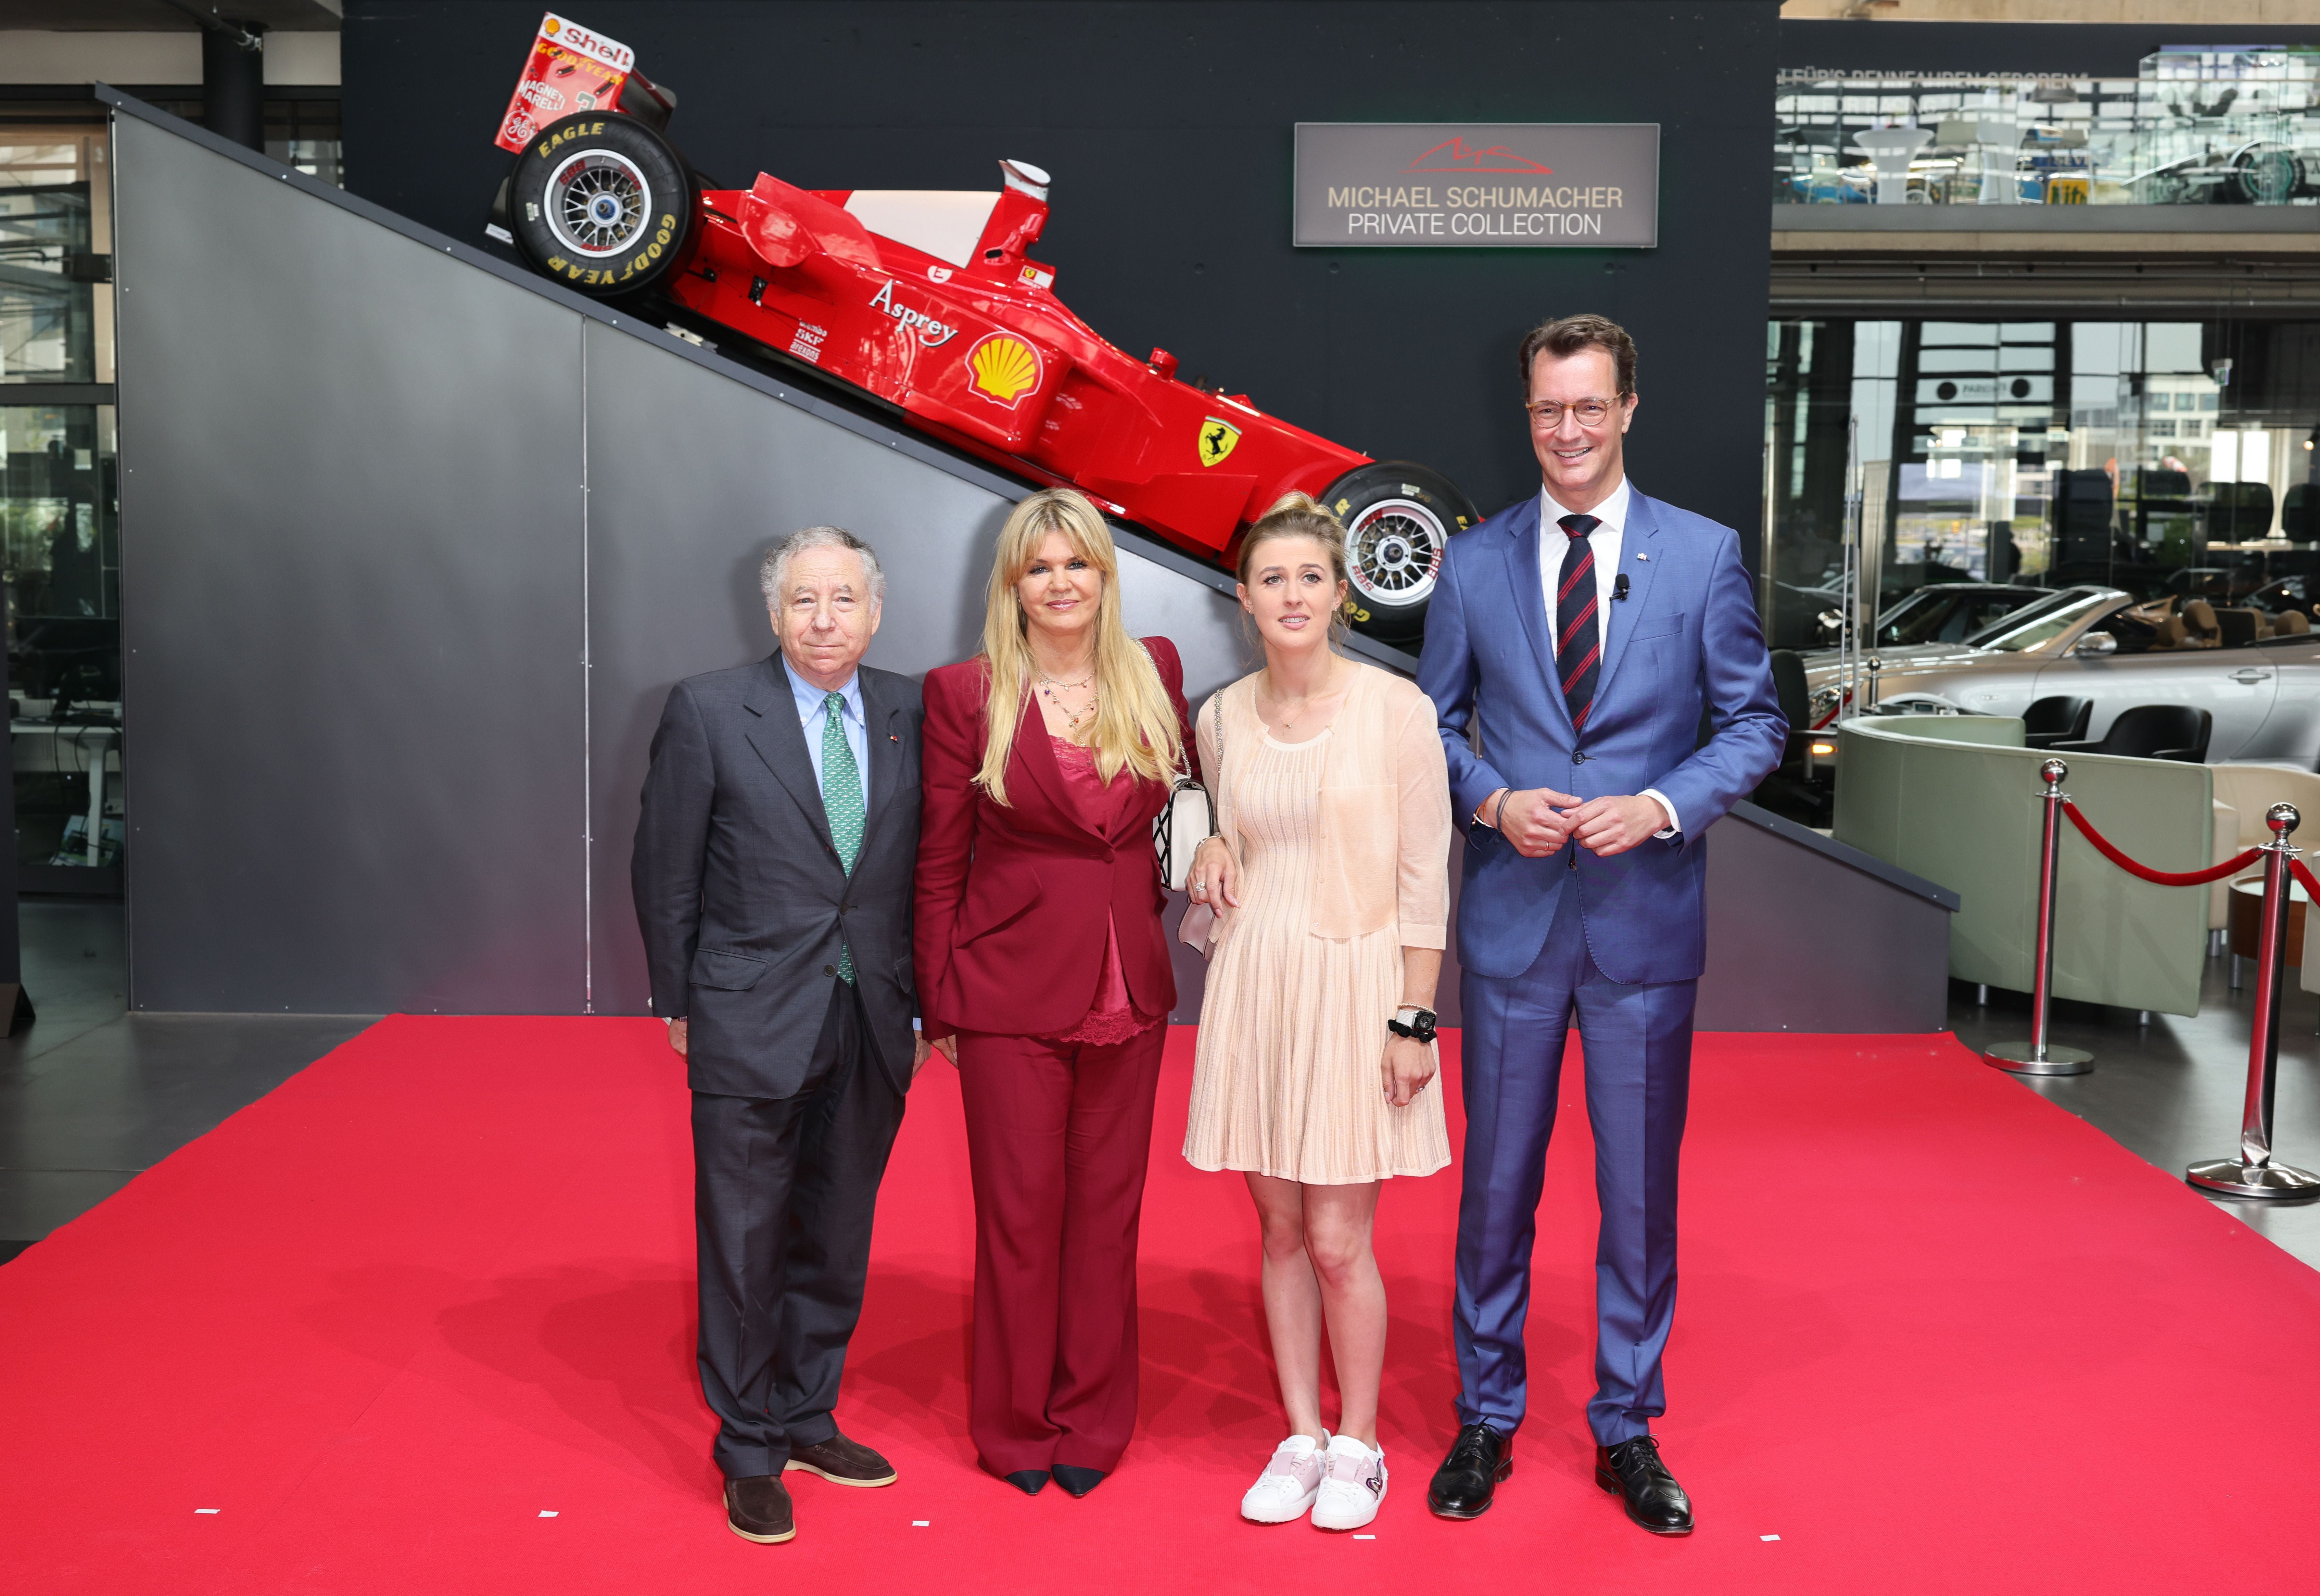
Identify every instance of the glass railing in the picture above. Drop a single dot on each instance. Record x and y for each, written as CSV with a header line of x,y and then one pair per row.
x,y
2208,126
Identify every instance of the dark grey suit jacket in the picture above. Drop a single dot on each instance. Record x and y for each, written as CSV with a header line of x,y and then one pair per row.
x,y
740,893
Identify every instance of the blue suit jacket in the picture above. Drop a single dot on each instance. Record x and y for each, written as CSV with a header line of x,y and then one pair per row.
x,y
1685,637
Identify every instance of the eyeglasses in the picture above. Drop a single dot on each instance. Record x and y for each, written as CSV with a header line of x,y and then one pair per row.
x,y
1546,414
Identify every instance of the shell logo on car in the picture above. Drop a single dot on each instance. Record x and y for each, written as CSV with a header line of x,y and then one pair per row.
x,y
618,57
1217,440
1002,368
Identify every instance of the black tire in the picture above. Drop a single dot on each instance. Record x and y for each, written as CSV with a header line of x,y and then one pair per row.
x,y
2262,175
601,203
1399,520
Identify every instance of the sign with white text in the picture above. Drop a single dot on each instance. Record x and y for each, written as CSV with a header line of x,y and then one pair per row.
x,y
1465,185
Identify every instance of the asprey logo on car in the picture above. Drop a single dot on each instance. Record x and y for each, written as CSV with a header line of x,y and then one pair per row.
x,y
577,39
931,332
1002,368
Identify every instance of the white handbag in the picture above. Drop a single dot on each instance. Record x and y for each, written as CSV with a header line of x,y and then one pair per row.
x,y
1188,820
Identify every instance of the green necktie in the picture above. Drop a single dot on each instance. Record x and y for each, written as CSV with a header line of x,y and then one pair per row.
x,y
841,800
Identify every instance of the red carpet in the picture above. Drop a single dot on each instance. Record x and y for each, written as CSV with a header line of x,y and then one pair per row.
x,y
1936,1335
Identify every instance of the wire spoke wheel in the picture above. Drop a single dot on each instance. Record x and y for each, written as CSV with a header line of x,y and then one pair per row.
x,y
1393,553
598,203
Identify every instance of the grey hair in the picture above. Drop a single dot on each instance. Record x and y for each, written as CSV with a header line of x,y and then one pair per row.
x,y
774,574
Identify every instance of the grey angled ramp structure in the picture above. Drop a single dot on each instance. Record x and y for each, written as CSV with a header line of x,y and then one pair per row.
x,y
414,543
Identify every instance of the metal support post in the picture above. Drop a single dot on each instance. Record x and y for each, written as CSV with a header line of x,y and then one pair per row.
x,y
2253,1174
2036,1058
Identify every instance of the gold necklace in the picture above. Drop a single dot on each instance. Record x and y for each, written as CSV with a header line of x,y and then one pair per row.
x,y
1289,723
1047,685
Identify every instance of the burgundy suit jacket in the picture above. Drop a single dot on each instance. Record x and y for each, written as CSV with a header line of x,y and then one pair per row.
x,y
1009,931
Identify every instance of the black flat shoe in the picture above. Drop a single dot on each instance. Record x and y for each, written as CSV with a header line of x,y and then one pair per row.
x,y
1462,1486
1028,1481
1078,1481
1633,1472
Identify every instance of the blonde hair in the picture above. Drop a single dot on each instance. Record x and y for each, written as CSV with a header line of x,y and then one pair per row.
x,y
1135,728
1298,515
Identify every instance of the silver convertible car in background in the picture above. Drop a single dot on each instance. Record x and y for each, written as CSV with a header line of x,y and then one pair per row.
x,y
2257,673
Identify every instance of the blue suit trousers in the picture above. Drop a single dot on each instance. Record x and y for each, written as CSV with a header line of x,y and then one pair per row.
x,y
1637,1042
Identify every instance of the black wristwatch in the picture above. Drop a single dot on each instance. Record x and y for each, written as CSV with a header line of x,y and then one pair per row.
x,y
1421,1028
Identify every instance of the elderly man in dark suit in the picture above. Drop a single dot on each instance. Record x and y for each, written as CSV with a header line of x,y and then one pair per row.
x,y
772,880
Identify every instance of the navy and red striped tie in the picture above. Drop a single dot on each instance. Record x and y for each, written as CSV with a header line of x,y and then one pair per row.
x,y
1578,630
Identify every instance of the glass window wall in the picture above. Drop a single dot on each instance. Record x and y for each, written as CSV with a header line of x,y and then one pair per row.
x,y
2156,456
56,248
2196,126
60,521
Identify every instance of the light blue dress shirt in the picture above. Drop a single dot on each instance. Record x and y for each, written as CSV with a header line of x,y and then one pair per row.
x,y
810,710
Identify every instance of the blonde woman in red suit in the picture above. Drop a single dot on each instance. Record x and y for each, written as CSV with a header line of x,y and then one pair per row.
x,y
1044,975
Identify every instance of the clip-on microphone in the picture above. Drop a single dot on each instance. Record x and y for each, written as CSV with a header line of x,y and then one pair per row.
x,y
1619,587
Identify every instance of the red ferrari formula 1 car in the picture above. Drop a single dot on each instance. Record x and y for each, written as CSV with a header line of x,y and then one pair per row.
x,y
928,300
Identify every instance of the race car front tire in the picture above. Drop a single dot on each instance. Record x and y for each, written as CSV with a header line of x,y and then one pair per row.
x,y
1399,520
601,203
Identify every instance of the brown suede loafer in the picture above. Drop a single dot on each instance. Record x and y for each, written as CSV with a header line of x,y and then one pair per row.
x,y
842,1462
759,1508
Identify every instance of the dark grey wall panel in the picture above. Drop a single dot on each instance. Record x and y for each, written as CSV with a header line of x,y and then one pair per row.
x,y
350,578
1800,939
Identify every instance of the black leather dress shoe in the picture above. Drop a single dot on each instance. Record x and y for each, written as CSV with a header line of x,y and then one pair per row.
x,y
842,1463
1479,1459
1633,1470
1030,1481
1078,1481
759,1510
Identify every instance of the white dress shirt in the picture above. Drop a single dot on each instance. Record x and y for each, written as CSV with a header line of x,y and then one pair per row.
x,y
812,706
814,711
1607,540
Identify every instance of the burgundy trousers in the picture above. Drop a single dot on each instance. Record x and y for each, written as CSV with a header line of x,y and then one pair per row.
x,y
1059,1135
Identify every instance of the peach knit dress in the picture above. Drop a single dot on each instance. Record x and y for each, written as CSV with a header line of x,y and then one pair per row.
x,y
1287,1080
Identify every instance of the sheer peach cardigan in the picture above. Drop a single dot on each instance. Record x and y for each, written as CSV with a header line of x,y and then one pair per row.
x,y
1385,807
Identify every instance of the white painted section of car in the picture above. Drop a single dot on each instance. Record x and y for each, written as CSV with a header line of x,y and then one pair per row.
x,y
944,222
2265,699
2204,679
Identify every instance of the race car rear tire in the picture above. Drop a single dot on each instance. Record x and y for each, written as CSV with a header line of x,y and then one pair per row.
x,y
1399,520
601,203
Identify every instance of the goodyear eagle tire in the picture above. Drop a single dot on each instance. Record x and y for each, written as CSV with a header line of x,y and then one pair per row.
x,y
1399,520
601,202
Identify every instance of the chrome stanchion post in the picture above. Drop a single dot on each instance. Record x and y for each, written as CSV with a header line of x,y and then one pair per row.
x,y
2253,1174
2036,1058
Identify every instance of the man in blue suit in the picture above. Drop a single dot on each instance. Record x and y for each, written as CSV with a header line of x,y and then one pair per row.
x,y
1577,648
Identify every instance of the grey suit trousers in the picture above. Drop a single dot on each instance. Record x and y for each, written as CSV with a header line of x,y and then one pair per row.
x,y
785,1189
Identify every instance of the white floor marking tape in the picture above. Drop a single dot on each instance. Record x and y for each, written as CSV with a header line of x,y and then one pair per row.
x,y
921,1523
1768,1537
205,1510
547,1512
1365,1537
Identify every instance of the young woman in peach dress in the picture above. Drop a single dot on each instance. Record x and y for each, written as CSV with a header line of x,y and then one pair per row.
x,y
1315,1059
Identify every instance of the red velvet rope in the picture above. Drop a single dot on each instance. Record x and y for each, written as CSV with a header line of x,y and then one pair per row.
x,y
2296,867
2163,878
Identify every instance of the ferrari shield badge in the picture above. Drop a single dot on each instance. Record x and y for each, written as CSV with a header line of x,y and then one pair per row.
x,y
1217,440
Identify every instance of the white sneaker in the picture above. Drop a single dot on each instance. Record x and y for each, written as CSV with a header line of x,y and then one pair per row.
x,y
1352,1485
1290,1481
